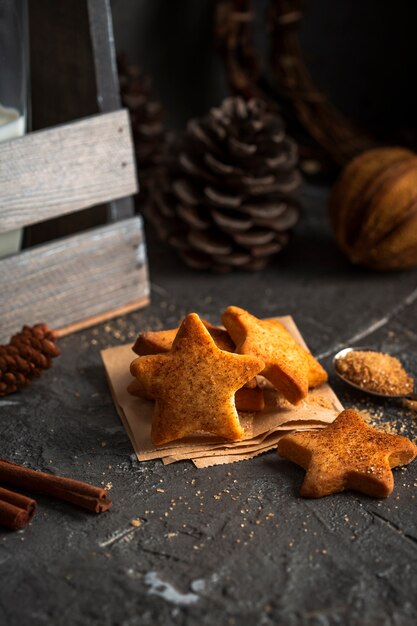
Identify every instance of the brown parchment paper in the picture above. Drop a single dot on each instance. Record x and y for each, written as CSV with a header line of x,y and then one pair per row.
x,y
262,429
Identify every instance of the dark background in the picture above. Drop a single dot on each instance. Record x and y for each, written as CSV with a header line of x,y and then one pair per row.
x,y
363,54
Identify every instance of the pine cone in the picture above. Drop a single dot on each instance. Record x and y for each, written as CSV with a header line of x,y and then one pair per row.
x,y
146,116
226,196
28,353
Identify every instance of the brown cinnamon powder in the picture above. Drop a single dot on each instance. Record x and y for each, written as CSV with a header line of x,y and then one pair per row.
x,y
375,371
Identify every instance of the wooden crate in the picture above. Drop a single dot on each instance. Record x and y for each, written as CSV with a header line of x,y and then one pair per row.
x,y
72,281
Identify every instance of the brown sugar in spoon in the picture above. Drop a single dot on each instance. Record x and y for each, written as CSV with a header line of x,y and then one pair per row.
x,y
373,372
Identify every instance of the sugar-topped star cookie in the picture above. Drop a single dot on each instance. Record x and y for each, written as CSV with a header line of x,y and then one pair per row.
x,y
194,385
157,341
348,454
288,366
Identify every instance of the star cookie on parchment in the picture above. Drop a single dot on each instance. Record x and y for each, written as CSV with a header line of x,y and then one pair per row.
x,y
348,454
288,366
158,341
194,385
246,400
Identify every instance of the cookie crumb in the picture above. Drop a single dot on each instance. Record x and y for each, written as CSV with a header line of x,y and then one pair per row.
x,y
136,522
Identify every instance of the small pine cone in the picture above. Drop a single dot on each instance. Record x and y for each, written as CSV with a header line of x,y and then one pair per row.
x,y
146,117
28,353
226,197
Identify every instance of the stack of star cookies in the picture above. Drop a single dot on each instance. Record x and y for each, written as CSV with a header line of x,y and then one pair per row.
x,y
209,393
201,375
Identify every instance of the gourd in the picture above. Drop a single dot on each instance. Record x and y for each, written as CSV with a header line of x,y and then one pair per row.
x,y
373,209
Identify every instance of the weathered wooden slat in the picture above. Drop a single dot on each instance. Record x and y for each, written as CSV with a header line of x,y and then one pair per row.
x,y
77,280
64,169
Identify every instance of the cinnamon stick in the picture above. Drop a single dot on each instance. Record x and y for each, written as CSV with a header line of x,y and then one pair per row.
x,y
79,493
16,510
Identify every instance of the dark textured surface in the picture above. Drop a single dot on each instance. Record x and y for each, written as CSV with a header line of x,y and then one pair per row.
x,y
226,545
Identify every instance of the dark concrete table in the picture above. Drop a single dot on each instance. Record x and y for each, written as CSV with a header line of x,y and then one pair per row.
x,y
258,554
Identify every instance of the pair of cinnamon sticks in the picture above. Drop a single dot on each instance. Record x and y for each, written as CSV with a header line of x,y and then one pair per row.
x,y
17,510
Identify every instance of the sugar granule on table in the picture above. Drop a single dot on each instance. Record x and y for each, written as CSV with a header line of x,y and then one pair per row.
x,y
375,417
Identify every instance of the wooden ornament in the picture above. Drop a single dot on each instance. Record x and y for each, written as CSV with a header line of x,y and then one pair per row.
x,y
373,209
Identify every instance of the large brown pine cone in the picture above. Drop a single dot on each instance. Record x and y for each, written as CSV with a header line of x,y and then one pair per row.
x,y
226,197
147,120
28,353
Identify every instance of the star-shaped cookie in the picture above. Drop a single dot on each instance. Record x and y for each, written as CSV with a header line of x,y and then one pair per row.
x,y
348,454
288,366
194,385
158,341
246,400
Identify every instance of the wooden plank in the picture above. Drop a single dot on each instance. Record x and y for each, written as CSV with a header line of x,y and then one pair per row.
x,y
65,169
74,279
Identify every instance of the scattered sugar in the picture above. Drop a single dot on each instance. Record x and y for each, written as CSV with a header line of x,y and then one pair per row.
x,y
325,403
400,424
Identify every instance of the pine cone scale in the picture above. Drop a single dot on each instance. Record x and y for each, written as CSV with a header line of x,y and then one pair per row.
x,y
254,238
239,149
192,217
219,199
231,224
185,192
267,210
195,169
219,167
207,244
266,249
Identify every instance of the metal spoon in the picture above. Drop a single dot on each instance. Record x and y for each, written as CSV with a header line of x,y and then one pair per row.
x,y
342,353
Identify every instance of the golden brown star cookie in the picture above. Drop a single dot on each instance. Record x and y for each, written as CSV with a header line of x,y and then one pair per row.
x,y
250,400
156,342
194,385
288,366
348,454
317,375
159,341
246,400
